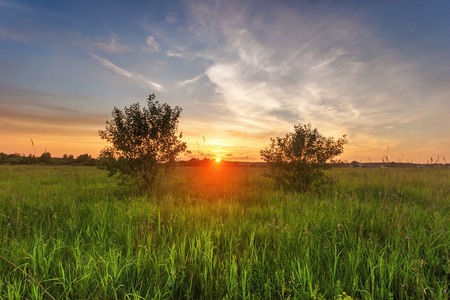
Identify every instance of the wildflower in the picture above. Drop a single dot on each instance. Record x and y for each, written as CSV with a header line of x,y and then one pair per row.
x,y
173,272
4,284
170,283
444,291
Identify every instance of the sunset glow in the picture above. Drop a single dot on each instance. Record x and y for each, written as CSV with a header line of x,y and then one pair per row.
x,y
242,71
218,160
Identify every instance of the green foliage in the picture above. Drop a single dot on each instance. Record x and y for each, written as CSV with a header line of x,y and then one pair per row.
x,y
45,158
143,141
298,160
84,160
68,159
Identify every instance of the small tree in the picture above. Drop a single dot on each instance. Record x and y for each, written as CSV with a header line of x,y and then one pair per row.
x,y
298,160
143,141
45,158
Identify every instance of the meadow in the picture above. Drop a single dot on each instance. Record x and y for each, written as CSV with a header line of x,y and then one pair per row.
x,y
224,233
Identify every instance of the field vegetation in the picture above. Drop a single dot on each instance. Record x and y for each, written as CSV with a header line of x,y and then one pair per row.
x,y
224,233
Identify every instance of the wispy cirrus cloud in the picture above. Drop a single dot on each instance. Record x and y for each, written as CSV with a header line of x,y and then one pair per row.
x,y
171,18
111,46
109,65
152,45
170,53
140,79
189,81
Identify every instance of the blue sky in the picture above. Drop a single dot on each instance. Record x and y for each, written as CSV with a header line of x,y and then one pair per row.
x,y
243,72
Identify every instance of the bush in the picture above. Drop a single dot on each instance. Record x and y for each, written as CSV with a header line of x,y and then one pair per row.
x,y
298,160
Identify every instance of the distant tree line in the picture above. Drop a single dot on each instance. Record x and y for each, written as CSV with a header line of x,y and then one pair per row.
x,y
46,159
206,162
356,164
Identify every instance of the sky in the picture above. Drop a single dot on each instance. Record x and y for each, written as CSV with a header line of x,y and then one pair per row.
x,y
242,71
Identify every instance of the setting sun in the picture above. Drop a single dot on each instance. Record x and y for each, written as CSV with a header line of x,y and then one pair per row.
x,y
218,160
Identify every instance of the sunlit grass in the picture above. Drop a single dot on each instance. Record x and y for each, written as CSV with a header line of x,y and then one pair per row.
x,y
214,233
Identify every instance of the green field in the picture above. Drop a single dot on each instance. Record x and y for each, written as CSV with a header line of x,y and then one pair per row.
x,y
224,233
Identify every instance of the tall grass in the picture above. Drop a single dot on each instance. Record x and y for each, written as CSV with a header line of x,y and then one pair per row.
x,y
223,233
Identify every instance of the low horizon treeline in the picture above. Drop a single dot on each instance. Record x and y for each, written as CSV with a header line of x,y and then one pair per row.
x,y
47,159
88,160
205,162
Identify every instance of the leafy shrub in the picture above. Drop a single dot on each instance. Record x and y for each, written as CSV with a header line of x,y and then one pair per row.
x,y
298,160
